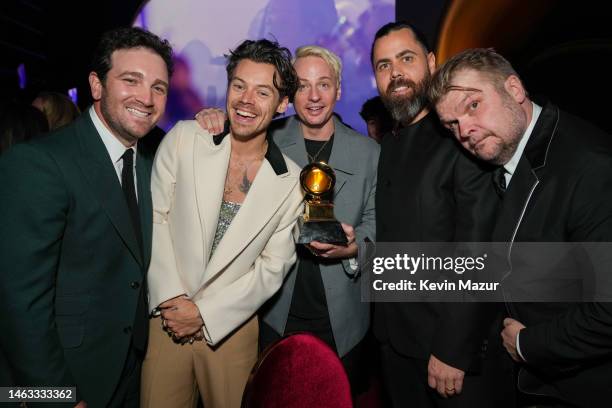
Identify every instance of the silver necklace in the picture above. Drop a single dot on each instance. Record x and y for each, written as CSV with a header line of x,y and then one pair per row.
x,y
313,158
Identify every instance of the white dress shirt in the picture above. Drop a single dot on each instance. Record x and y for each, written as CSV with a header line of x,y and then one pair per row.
x,y
114,147
510,167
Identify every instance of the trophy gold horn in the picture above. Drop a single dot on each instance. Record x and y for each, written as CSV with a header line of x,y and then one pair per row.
x,y
318,222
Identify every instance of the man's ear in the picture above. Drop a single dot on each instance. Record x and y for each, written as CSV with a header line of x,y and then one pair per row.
x,y
95,84
515,88
431,62
282,106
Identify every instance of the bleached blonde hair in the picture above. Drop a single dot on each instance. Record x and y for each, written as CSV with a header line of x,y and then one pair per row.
x,y
315,51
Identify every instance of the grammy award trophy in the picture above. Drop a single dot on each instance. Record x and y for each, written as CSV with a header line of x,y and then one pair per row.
x,y
318,222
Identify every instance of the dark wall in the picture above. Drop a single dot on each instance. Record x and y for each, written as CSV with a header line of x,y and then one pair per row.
x,y
564,52
55,40
568,59
426,15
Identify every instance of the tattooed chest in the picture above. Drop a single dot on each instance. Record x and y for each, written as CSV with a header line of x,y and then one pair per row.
x,y
239,180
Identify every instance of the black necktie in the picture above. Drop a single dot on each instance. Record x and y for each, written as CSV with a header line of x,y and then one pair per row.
x,y
499,180
140,329
127,184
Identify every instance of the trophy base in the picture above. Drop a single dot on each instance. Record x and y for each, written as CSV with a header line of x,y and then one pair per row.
x,y
328,232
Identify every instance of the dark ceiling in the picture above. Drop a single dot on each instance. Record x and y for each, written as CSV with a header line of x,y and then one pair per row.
x,y
54,39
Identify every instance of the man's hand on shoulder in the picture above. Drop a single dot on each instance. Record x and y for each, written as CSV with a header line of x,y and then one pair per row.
x,y
211,119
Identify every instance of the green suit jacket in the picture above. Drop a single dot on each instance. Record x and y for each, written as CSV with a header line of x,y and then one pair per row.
x,y
70,266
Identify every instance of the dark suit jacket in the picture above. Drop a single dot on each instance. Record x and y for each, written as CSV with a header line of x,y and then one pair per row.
x,y
561,191
72,270
429,190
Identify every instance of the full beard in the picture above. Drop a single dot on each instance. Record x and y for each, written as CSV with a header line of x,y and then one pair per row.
x,y
404,108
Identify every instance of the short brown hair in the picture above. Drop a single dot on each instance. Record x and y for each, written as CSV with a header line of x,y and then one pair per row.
x,y
483,60
125,38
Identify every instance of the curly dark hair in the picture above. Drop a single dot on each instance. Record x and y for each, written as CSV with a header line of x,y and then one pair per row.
x,y
268,52
126,38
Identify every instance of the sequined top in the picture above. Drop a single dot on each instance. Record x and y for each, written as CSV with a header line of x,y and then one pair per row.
x,y
226,215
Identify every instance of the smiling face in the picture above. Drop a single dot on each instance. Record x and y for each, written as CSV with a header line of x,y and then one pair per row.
x,y
133,96
317,93
252,99
402,69
488,120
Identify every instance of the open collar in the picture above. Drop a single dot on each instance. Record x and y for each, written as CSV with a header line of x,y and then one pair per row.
x,y
273,154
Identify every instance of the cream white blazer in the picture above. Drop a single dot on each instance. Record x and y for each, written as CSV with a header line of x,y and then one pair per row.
x,y
257,250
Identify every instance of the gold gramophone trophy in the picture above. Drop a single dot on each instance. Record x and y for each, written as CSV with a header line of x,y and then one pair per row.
x,y
318,222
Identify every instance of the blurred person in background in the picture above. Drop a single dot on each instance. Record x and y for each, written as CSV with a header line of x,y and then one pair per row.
x,y
57,107
377,117
183,98
19,123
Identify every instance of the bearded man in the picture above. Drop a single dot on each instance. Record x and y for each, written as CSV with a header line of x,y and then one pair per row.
x,y
428,190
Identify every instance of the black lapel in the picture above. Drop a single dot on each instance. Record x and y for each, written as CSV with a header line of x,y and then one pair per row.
x,y
525,179
97,168
542,135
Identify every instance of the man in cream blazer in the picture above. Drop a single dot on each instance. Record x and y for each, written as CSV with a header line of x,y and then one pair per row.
x,y
210,272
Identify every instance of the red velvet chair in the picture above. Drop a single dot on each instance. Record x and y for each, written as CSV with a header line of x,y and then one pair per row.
x,y
298,371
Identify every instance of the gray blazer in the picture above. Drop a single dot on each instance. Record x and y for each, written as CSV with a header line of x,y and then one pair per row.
x,y
354,158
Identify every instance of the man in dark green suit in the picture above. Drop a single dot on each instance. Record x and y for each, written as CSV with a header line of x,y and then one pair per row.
x,y
75,235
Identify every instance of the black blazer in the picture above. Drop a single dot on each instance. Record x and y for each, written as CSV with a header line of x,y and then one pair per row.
x,y
72,270
561,191
429,190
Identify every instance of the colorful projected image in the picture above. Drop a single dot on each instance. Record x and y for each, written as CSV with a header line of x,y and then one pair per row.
x,y
202,31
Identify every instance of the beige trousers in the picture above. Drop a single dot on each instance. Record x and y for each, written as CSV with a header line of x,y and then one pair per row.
x,y
174,375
